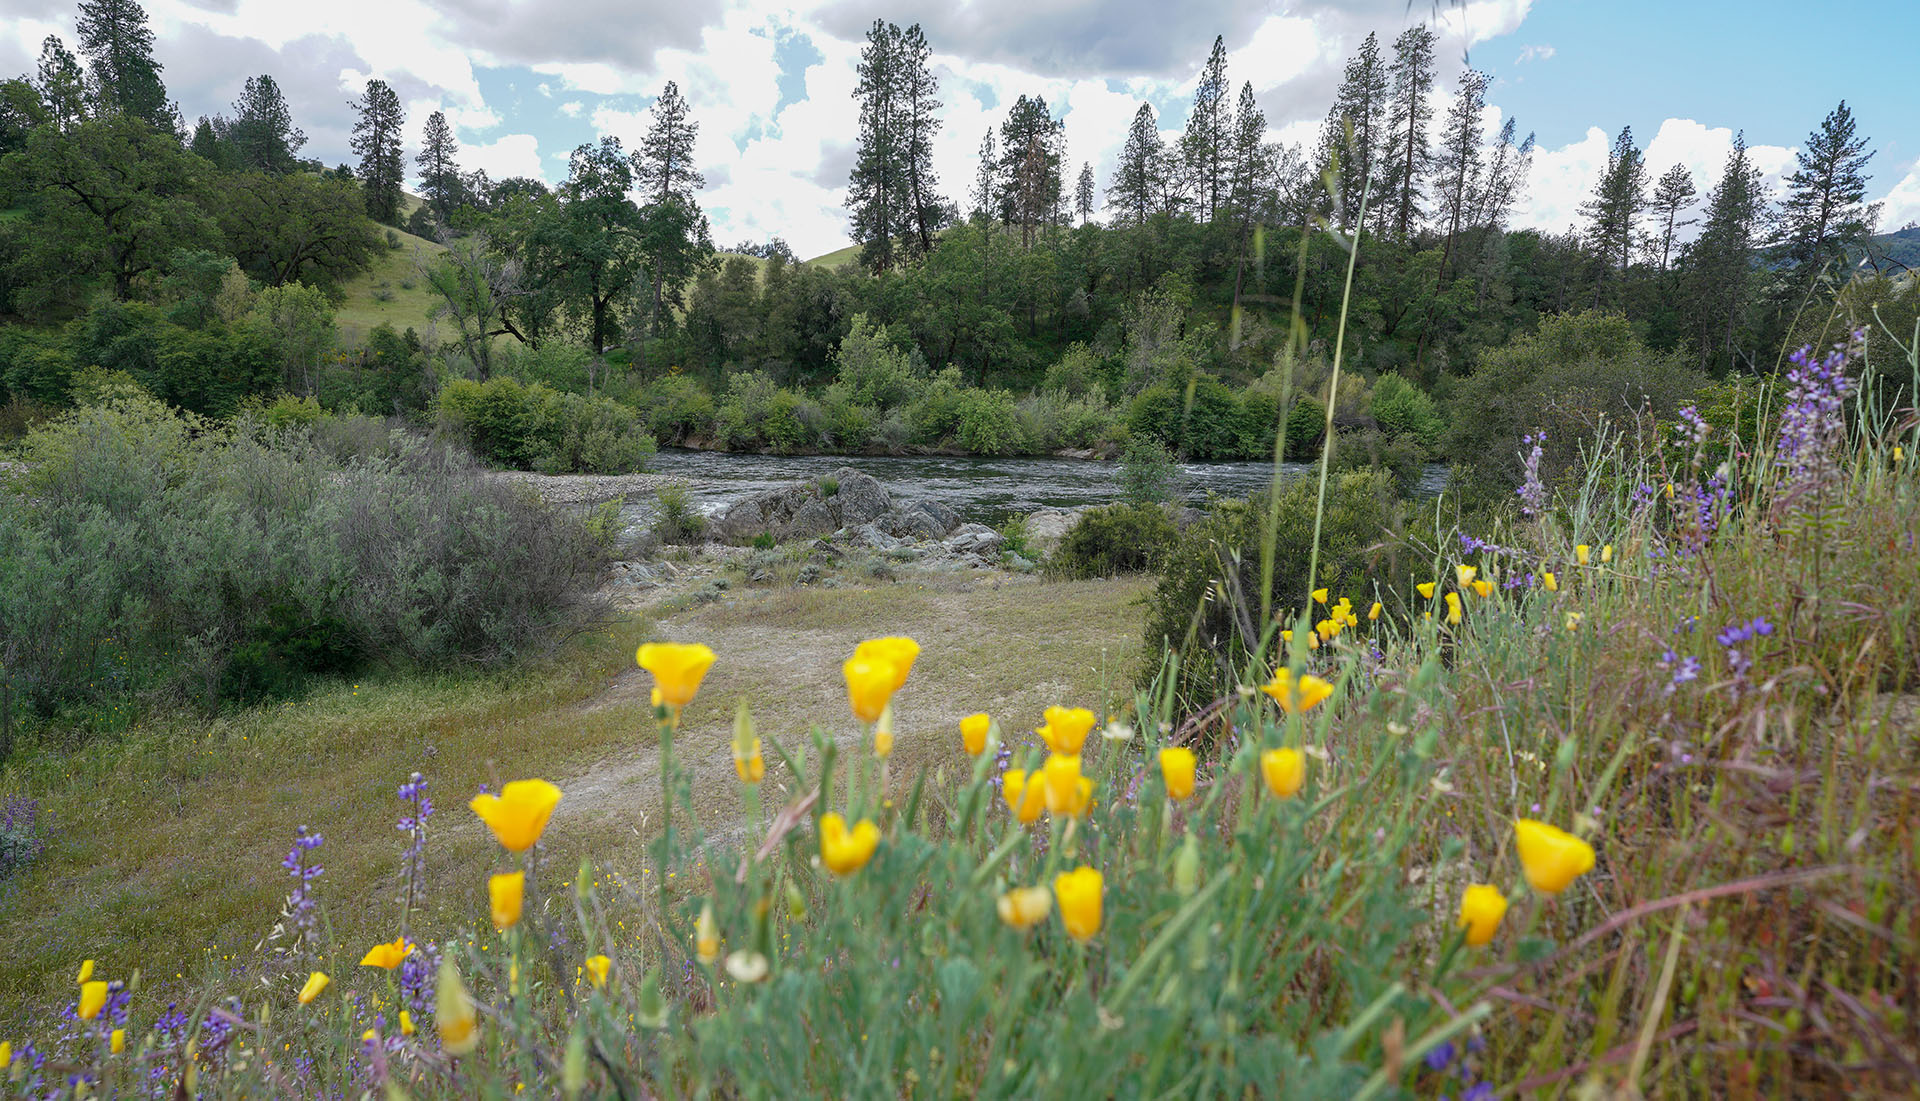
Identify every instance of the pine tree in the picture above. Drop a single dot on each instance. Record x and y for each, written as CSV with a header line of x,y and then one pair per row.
x,y
986,179
1506,177
1083,193
1203,147
1251,167
1619,199
1135,192
439,164
1719,265
376,138
119,47
61,84
1356,130
1824,212
262,132
1408,158
873,190
678,242
1672,195
1030,152
924,208
1462,158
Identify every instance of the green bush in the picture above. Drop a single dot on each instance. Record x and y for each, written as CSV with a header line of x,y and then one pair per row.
x,y
677,407
592,436
537,428
1402,409
679,521
989,423
1113,539
1306,427
1149,473
874,371
1206,607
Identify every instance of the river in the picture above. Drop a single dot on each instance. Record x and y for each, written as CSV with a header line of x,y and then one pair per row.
x,y
982,490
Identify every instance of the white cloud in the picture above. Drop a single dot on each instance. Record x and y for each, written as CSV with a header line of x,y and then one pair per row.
x,y
572,109
1901,204
1534,53
510,155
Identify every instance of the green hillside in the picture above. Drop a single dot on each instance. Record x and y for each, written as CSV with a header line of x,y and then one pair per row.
x,y
392,291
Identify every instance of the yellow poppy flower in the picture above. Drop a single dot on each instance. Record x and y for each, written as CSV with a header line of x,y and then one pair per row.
x,y
453,1011
883,734
506,894
6,1054
1453,608
117,1042
597,968
1067,792
870,684
1667,490
518,815
1025,907
845,851
1466,574
1899,453
1481,908
93,998
1606,554
752,768
897,650
387,956
1065,730
406,1023
1374,612
1079,893
677,668
1319,596
973,733
706,936
1286,636
1551,857
1026,803
1582,554
1549,582
1425,589
1177,767
316,983
1284,770
86,972
1296,695
1573,621
1483,588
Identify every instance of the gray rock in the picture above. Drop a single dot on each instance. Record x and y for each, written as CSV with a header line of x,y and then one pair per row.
x,y
975,539
743,520
813,517
1048,526
861,497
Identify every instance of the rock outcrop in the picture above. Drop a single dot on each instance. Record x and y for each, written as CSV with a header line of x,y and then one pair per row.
x,y
803,510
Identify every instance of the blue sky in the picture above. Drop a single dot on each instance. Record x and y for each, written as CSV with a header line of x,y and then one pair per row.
x,y
771,83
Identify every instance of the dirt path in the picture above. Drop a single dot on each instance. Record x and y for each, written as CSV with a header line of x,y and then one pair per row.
x,y
999,643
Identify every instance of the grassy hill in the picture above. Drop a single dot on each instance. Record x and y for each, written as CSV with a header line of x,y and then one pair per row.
x,y
836,258
392,291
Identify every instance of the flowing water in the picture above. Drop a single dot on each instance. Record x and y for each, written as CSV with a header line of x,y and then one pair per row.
x,y
981,490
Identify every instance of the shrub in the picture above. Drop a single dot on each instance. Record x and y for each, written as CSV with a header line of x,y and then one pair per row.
x,y
677,407
1113,539
873,371
21,837
1206,605
1078,372
533,427
679,521
592,436
989,423
1149,474
1402,409
1306,426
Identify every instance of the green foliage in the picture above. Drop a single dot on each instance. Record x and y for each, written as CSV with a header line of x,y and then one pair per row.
x,y
988,423
1403,409
759,414
1205,607
677,408
536,428
1078,371
679,521
875,372
1114,539
1306,426
1149,473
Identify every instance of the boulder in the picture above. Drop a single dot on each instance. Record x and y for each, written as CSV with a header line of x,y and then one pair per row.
x,y
804,509
860,498
977,540
1048,526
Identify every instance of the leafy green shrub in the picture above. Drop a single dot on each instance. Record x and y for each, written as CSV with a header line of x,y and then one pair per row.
x,y
935,418
873,371
759,414
1306,426
1402,409
1078,372
1113,539
592,436
1399,456
1207,605
1149,474
283,650
534,427
677,407
989,423
679,521
284,412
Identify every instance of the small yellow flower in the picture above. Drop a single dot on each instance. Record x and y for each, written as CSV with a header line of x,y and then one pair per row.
x,y
6,1054
1067,792
369,1036
1466,574
1319,596
1549,582
883,734
453,1011
1606,554
1065,730
1284,770
117,1042
1286,636
677,668
387,956
870,683
518,815
1667,490
86,972
506,893
316,983
1481,908
1453,608
1297,695
93,998
845,851
1176,767
1551,857
1425,588
1483,588
1582,554
1374,612
973,733
706,936
1025,907
897,650
1573,621
752,768
1026,803
1899,453
406,1023
597,968
1079,892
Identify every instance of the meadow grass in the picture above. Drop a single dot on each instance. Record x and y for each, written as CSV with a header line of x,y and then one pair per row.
x,y
396,276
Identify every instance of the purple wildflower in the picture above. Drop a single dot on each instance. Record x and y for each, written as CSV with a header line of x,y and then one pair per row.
x,y
414,824
1533,494
299,910
20,839
1682,670
1814,420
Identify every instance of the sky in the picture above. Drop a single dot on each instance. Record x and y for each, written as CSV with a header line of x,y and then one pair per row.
x,y
771,84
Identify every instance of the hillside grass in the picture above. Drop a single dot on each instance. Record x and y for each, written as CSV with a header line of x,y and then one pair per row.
x,y
395,273
835,258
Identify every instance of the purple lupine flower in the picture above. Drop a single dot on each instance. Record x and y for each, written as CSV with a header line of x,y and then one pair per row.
x,y
1532,493
1814,420
417,975
1440,1058
300,915
1736,635
413,862
1682,670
